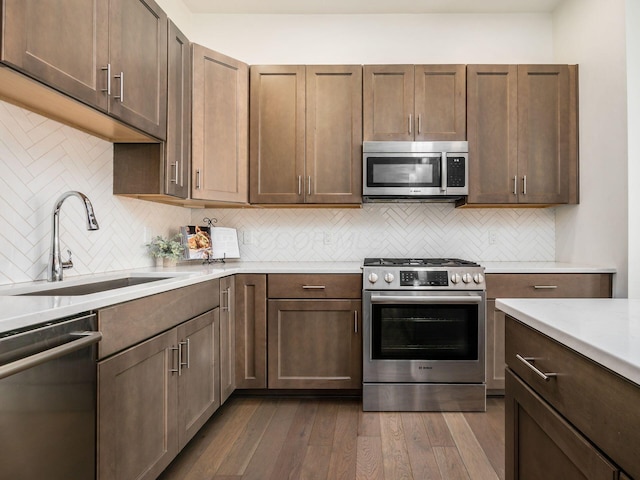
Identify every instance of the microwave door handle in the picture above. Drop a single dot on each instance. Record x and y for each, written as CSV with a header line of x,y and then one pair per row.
x,y
443,172
426,299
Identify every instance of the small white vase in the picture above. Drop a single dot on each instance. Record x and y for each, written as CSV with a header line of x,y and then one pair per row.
x,y
169,262
159,262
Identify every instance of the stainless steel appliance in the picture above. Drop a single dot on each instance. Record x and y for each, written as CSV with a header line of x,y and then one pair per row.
x,y
48,401
421,171
424,335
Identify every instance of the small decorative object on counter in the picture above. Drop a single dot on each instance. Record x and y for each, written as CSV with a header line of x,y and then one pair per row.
x,y
169,250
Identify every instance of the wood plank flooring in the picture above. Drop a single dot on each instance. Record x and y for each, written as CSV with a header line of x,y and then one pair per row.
x,y
258,438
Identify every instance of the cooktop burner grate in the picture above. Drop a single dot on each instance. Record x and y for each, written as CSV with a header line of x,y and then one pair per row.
x,y
418,262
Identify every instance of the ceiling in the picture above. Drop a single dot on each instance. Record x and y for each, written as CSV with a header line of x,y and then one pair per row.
x,y
370,6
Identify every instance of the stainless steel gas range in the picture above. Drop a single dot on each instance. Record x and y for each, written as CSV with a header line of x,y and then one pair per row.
x,y
423,335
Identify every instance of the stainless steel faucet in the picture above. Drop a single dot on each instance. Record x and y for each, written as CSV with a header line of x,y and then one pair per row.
x,y
56,265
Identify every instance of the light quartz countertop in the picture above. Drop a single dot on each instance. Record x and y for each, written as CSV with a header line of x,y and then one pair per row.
x,y
605,330
18,312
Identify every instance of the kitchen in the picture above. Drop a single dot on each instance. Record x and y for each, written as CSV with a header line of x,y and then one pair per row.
x,y
55,158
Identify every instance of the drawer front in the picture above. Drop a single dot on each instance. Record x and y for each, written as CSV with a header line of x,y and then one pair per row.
x,y
131,322
290,285
600,404
548,285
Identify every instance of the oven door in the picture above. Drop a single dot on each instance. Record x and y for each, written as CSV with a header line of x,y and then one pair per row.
x,y
424,336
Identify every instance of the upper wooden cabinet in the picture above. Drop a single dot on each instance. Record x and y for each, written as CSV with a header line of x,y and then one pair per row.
x,y
219,128
160,171
306,134
522,133
421,102
110,54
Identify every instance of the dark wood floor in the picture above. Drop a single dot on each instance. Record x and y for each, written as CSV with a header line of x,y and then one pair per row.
x,y
283,438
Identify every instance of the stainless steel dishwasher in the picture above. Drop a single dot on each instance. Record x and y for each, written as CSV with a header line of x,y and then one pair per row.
x,y
48,401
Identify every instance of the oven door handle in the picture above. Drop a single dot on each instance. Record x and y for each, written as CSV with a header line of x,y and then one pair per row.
x,y
425,300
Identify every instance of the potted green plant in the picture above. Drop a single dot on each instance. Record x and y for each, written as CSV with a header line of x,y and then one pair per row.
x,y
169,250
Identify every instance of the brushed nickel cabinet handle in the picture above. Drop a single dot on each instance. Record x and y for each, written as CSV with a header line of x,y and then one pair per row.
x,y
545,287
299,184
515,185
309,184
227,308
197,179
121,96
355,321
528,361
174,179
419,123
179,350
187,349
410,122
524,185
313,287
108,70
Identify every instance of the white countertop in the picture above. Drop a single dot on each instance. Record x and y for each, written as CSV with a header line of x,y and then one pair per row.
x,y
604,330
19,312
544,267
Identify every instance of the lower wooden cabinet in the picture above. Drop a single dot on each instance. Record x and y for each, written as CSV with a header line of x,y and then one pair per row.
x,y
153,397
315,344
531,285
541,444
251,331
227,338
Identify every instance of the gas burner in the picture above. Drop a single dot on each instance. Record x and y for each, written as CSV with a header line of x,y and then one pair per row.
x,y
419,262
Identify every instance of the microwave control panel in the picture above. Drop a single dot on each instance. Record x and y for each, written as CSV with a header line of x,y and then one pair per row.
x,y
456,171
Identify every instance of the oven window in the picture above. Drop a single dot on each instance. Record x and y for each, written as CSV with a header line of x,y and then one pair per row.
x,y
403,171
410,332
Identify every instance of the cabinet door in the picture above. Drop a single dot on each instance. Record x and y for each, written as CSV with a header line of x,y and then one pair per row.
x,y
492,121
540,444
315,344
388,102
220,127
251,330
178,146
227,338
137,395
543,133
277,143
440,102
62,43
334,134
495,364
198,373
138,57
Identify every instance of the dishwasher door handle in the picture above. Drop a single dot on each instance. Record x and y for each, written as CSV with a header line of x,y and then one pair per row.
x,y
84,339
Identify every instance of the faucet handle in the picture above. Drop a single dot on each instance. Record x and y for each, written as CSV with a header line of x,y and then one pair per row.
x,y
69,262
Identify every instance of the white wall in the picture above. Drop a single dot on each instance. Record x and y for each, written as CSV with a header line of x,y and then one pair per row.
x,y
346,39
633,127
591,33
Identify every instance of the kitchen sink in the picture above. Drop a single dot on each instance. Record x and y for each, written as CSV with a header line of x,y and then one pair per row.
x,y
95,287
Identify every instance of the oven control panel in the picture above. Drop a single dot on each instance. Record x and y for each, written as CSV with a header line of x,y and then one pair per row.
x,y
413,278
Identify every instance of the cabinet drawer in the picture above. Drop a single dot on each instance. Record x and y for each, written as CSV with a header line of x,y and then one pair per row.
x,y
548,285
293,285
599,403
131,322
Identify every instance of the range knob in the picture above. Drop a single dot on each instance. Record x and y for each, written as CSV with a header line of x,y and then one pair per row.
x,y
455,278
478,278
466,278
373,277
388,277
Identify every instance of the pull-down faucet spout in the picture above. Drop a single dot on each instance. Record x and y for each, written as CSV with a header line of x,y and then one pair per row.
x,y
56,266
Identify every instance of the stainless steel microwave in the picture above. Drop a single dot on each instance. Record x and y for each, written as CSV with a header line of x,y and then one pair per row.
x,y
423,171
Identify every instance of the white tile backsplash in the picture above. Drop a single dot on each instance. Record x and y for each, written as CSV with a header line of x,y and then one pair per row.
x,y
391,230
40,159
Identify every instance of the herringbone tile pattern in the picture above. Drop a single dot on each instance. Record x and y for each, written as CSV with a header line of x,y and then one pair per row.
x,y
39,160
393,230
